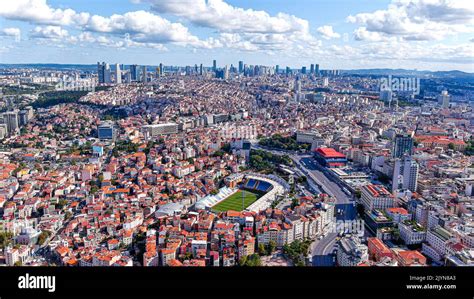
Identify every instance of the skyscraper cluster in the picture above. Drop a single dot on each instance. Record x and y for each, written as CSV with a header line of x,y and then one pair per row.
x,y
134,73
11,121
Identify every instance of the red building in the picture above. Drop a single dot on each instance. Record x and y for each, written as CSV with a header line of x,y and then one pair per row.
x,y
329,157
378,249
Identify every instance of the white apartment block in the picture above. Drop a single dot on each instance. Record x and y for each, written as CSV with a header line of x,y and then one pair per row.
x,y
376,197
412,234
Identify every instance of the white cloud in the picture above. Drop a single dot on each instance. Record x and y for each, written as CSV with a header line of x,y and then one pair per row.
x,y
235,41
416,20
219,15
49,32
11,31
39,12
327,32
93,40
142,27
243,29
362,34
400,53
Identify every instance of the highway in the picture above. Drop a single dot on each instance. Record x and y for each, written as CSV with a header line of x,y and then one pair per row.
x,y
345,209
321,250
314,171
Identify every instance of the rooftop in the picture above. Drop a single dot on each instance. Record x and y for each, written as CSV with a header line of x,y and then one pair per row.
x,y
328,152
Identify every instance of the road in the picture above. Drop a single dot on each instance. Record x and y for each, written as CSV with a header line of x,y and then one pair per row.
x,y
345,208
314,170
321,250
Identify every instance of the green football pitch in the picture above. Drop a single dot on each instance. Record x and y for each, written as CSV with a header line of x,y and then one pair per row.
x,y
234,202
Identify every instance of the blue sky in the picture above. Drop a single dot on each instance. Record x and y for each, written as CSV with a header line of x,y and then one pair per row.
x,y
338,34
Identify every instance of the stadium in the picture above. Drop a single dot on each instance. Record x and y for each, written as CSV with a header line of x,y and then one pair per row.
x,y
250,192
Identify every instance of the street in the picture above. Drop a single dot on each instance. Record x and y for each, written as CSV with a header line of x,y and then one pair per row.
x,y
321,250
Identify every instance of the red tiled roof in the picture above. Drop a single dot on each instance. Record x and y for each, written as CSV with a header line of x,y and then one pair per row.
x,y
400,211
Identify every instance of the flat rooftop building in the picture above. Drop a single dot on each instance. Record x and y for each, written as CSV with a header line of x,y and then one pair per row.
x,y
376,197
329,157
160,129
106,130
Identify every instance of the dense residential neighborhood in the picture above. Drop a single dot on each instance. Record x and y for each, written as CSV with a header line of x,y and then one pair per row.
x,y
178,168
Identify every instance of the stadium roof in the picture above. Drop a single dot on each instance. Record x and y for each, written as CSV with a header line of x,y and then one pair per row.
x,y
328,152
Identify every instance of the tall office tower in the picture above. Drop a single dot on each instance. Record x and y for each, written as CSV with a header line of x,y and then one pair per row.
x,y
226,73
128,77
241,67
144,74
311,69
214,65
303,70
30,112
10,118
118,74
443,99
3,130
162,69
22,117
288,71
316,69
277,69
101,72
256,70
134,72
107,73
405,174
403,145
195,68
201,70
297,86
386,95
326,81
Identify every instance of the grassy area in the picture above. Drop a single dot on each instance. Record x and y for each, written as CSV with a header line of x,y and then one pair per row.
x,y
285,143
234,202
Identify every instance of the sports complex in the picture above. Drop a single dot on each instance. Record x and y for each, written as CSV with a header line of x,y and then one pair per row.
x,y
250,192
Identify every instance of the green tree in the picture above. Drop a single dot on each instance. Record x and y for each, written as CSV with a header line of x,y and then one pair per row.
x,y
94,189
294,202
61,204
302,179
261,249
243,261
250,261
271,247
5,239
358,194
43,237
67,215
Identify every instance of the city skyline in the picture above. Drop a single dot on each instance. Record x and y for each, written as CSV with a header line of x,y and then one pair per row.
x,y
425,35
